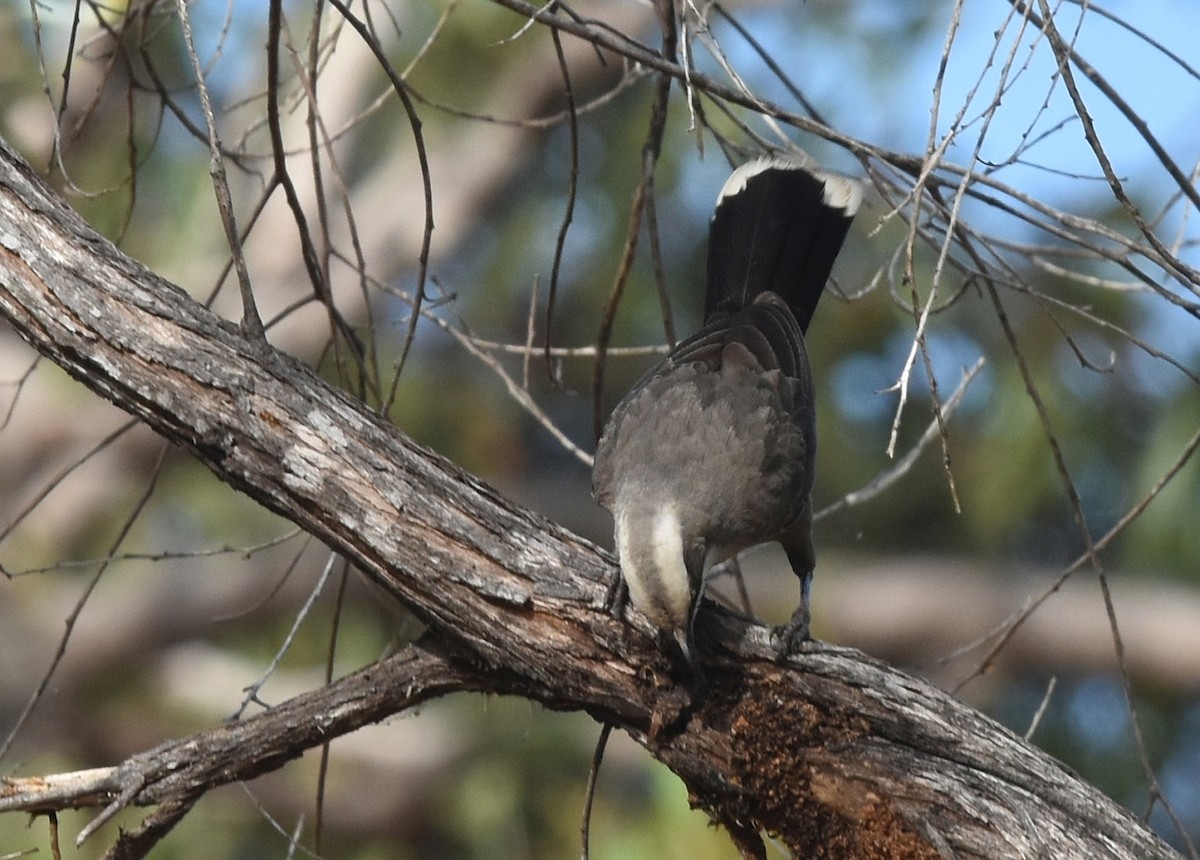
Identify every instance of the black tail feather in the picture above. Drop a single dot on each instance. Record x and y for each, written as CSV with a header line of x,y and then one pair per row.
x,y
778,226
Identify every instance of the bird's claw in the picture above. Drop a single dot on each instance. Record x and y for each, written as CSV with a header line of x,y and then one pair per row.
x,y
789,637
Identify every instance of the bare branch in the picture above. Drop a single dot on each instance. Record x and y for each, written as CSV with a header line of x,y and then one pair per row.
x,y
515,604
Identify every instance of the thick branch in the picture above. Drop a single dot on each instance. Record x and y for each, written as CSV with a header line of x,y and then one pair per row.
x,y
834,752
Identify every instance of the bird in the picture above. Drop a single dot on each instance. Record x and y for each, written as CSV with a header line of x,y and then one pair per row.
x,y
713,450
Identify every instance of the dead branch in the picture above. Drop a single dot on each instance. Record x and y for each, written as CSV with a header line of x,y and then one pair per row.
x,y
832,750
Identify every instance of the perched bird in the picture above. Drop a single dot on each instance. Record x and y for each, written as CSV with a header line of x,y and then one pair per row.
x,y
712,451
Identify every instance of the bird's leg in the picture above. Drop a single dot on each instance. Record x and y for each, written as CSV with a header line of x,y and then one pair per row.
x,y
686,637
796,630
797,543
617,597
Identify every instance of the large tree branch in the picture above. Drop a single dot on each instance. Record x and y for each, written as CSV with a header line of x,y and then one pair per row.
x,y
834,752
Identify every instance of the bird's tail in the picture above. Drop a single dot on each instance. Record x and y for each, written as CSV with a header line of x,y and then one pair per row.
x,y
778,226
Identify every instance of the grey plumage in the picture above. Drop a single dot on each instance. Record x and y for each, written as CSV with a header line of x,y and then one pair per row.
x,y
712,451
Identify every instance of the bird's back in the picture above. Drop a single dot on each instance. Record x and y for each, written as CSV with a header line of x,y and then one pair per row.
x,y
723,425
712,451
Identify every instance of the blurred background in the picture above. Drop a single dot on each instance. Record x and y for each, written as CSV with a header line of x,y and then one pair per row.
x,y
1067,330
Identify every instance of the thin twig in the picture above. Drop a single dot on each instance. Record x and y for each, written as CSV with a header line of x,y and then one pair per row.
x,y
589,794
572,189
252,326
251,691
645,188
317,274
80,603
1041,708
885,479
414,121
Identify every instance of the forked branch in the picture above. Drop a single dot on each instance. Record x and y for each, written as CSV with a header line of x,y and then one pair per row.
x,y
831,749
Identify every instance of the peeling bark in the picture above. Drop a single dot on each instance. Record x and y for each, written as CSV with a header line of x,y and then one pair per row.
x,y
835,753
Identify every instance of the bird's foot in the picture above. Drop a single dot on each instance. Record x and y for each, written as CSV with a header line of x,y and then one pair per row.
x,y
788,638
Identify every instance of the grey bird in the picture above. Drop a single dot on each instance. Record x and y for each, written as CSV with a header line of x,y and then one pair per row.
x,y
712,451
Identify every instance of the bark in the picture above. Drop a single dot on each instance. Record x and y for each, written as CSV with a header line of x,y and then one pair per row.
x,y
836,753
